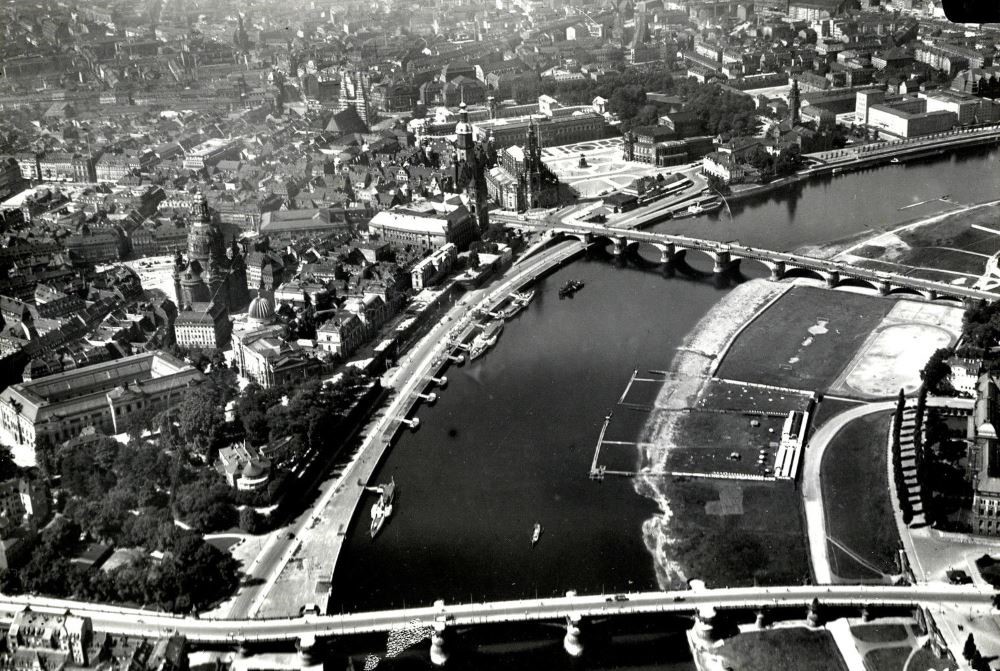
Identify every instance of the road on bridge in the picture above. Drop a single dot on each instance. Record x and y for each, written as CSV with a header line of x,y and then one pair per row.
x,y
124,621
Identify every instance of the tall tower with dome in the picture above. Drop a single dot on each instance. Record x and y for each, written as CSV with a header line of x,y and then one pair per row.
x,y
212,273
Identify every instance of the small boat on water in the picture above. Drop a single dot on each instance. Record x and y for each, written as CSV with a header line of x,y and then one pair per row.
x,y
536,534
382,509
570,288
894,160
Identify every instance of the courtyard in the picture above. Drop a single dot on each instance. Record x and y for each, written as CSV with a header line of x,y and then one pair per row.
x,y
606,170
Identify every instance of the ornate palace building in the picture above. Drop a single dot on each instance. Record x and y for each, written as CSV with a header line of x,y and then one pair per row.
x,y
521,181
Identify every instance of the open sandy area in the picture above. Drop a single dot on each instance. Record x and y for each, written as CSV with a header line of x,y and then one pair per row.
x,y
895,352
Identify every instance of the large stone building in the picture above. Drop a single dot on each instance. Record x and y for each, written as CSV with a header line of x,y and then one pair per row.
x,y
342,334
47,641
203,326
425,224
212,274
910,120
553,123
354,88
262,354
105,395
985,460
521,181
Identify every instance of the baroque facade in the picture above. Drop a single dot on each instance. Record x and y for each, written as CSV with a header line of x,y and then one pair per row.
x,y
521,181
211,274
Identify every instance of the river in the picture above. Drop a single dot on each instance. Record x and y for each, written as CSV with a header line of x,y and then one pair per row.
x,y
511,438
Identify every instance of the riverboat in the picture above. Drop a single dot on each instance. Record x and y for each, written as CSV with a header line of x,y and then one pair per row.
x,y
382,509
486,339
698,208
536,534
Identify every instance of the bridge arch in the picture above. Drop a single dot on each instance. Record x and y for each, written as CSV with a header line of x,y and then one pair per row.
x,y
848,281
711,255
807,273
945,298
652,252
905,291
601,241
563,234
755,263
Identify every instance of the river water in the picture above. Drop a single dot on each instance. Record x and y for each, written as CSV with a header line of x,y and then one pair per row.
x,y
511,438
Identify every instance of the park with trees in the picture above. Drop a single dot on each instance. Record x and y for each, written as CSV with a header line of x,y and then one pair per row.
x,y
155,495
721,111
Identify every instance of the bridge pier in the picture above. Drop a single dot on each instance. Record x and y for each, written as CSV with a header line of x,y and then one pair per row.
x,y
777,270
832,279
814,617
704,625
439,651
572,642
667,254
866,614
724,262
307,649
762,620
931,295
618,246
884,288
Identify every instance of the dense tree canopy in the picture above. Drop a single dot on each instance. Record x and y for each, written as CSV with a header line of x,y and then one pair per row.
x,y
981,325
200,415
720,110
936,372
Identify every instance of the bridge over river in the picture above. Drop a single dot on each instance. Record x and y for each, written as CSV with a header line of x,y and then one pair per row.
x,y
702,603
727,256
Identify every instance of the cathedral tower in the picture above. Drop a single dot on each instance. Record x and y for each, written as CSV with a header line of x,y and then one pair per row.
x,y
793,103
470,165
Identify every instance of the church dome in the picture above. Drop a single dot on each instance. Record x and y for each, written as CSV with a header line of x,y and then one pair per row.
x,y
260,309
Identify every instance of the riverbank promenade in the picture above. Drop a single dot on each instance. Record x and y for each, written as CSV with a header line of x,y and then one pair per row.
x,y
302,573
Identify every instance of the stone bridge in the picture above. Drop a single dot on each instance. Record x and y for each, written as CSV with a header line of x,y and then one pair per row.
x,y
727,256
310,630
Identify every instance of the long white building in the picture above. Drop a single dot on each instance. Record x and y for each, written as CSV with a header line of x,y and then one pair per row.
x,y
105,395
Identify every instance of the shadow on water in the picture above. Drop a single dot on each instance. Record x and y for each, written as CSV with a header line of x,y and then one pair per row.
x,y
625,642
